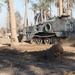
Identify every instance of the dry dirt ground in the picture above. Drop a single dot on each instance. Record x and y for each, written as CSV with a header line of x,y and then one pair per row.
x,y
27,59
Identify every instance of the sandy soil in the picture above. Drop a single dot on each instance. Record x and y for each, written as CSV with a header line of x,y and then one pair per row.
x,y
26,59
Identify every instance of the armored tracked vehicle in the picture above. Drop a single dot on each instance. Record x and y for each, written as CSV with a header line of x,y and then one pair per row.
x,y
50,31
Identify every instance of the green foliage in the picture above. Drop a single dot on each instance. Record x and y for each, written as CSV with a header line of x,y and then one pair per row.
x,y
34,6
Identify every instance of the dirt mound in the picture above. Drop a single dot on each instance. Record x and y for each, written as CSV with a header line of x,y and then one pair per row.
x,y
55,51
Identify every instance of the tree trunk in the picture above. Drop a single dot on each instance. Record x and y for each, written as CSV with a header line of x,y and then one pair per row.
x,y
58,11
64,8
34,16
14,38
41,11
8,23
25,20
71,12
8,20
26,14
50,10
46,13
60,7
68,7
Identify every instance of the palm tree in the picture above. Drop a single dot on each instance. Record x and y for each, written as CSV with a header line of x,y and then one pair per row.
x,y
14,38
43,7
40,4
38,7
34,8
48,4
25,19
70,6
8,24
12,21
60,7
18,20
26,13
57,6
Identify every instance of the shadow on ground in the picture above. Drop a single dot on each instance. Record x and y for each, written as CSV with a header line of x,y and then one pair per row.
x,y
34,63
73,45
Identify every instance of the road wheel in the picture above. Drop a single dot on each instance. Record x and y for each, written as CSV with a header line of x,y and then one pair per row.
x,y
47,41
39,41
33,41
52,40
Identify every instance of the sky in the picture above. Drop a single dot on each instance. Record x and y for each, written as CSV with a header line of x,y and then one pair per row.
x,y
19,6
